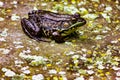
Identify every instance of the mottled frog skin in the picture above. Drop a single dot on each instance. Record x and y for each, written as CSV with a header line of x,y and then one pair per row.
x,y
42,24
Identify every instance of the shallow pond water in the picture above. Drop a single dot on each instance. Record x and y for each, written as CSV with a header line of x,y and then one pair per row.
x,y
93,55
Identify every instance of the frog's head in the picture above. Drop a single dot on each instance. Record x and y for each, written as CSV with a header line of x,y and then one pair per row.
x,y
75,22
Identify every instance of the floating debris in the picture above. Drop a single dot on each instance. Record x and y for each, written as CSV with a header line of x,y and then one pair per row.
x,y
90,72
96,1
107,17
99,37
2,19
100,66
14,2
53,71
18,62
115,68
1,4
18,77
4,51
17,42
35,8
108,9
34,60
2,39
25,70
43,4
81,3
62,73
80,78
15,17
114,41
117,78
19,46
71,9
38,77
69,53
8,72
90,16
4,33
118,73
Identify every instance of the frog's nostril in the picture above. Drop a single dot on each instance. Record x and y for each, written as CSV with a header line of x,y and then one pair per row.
x,y
82,20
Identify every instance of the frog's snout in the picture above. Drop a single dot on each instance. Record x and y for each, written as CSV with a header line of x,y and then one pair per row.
x,y
82,20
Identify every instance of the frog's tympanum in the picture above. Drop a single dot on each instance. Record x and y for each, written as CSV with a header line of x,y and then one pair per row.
x,y
42,24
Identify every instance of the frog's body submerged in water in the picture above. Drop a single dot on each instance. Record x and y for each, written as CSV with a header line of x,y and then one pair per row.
x,y
47,24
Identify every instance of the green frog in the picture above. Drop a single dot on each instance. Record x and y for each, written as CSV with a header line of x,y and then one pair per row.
x,y
42,24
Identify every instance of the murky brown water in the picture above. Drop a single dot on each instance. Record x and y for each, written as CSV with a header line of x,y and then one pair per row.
x,y
93,56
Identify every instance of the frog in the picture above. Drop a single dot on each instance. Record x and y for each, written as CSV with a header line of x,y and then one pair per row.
x,y
43,25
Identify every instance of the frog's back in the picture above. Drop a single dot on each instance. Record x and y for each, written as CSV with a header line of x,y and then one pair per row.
x,y
51,20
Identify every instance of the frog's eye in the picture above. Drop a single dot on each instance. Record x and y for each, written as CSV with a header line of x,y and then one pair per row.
x,y
76,15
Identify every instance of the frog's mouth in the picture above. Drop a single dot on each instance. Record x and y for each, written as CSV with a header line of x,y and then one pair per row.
x,y
72,28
